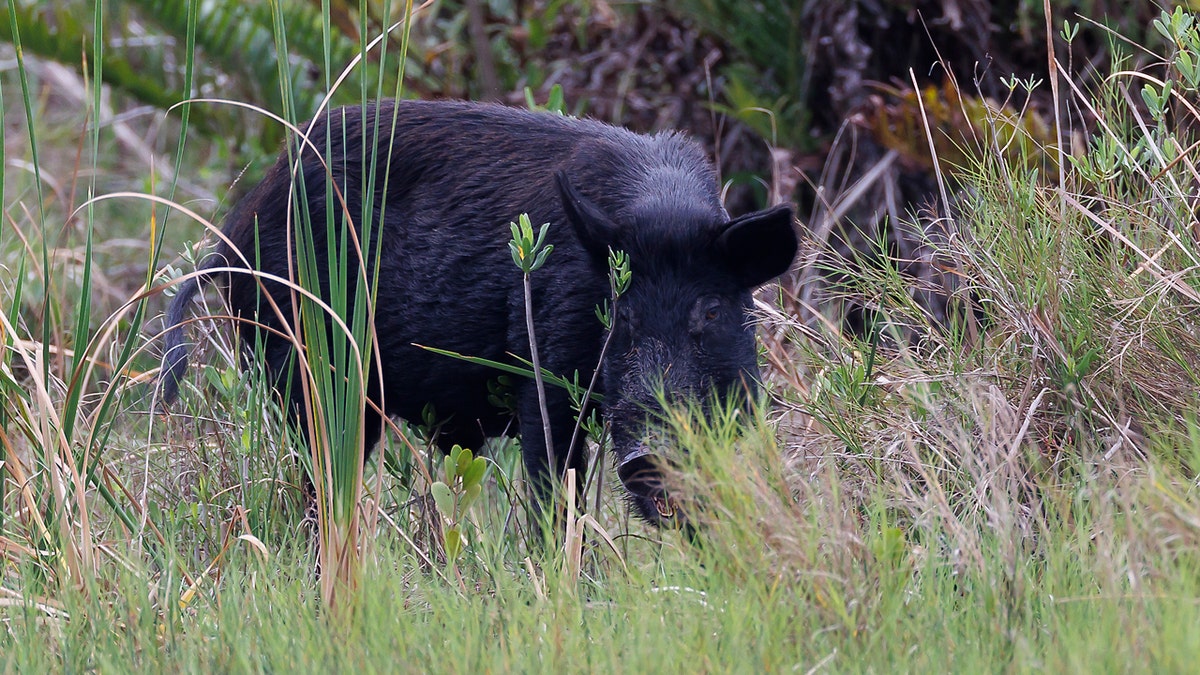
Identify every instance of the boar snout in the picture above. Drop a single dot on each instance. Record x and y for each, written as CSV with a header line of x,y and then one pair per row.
x,y
641,474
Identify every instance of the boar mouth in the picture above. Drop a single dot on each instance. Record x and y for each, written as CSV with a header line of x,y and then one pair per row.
x,y
640,474
665,507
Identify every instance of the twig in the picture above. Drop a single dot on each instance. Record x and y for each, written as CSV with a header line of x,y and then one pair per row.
x,y
537,376
588,397
937,167
1052,64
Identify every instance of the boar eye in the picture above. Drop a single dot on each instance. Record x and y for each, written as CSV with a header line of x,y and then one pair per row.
x,y
711,311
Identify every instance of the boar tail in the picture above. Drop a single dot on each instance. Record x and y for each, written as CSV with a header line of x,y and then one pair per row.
x,y
175,341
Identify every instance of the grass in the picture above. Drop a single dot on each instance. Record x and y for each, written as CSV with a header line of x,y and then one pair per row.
x,y
798,588
1017,493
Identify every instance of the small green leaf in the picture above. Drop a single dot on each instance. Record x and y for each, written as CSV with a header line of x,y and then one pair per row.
x,y
541,258
470,495
429,415
603,315
453,543
1150,96
541,237
443,498
1181,22
473,475
1186,67
557,101
448,467
1161,26
462,462
1069,31
618,271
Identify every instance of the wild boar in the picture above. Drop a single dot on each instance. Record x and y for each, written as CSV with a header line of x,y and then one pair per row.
x,y
448,180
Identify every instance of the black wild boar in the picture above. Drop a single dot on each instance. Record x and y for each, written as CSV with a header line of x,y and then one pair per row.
x,y
456,175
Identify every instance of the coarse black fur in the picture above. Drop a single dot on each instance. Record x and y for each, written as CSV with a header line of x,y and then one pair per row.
x,y
456,174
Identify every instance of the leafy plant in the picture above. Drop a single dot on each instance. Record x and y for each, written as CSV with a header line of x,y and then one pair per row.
x,y
462,483
529,255
1180,29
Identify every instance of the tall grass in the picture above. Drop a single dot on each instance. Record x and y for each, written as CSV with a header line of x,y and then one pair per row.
x,y
1015,494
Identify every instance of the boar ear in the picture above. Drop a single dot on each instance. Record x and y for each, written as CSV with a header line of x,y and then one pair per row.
x,y
595,230
759,246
